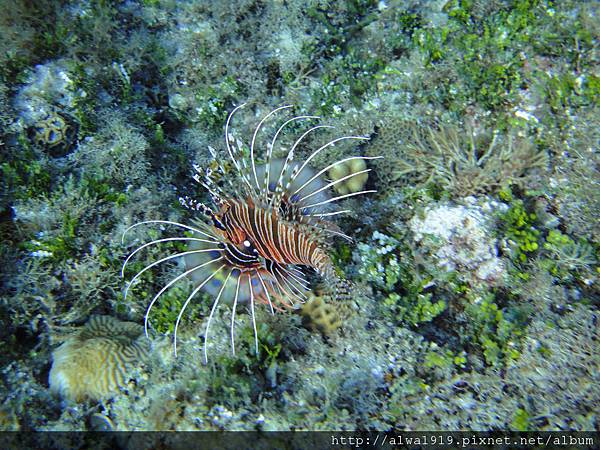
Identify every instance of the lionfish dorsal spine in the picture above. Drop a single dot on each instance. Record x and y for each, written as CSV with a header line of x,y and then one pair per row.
x,y
280,189
340,197
256,130
331,184
230,141
323,147
213,189
243,168
322,171
270,148
221,169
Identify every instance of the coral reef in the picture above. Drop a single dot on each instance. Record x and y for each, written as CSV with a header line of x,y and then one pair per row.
x,y
96,361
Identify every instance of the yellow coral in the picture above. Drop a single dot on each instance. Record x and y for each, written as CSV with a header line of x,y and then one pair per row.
x,y
51,131
318,315
352,183
95,361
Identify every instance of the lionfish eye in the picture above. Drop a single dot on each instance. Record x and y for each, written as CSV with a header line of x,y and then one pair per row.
x,y
248,245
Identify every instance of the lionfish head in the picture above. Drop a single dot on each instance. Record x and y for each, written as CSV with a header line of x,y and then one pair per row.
x,y
268,226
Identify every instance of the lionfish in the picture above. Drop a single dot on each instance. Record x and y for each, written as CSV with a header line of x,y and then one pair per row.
x,y
263,235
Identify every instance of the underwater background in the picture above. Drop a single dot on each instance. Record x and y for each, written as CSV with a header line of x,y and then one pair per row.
x,y
474,267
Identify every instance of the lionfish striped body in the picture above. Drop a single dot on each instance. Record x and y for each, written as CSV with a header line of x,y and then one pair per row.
x,y
261,237
274,239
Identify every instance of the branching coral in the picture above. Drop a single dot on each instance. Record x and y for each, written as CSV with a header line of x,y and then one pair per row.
x,y
461,161
56,220
90,284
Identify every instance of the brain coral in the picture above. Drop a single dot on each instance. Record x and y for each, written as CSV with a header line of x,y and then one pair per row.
x,y
97,359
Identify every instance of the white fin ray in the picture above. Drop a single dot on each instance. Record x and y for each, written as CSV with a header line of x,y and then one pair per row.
x,y
252,314
329,214
333,183
229,140
228,137
284,293
233,308
352,194
155,263
272,146
168,285
329,144
254,140
266,292
298,293
168,222
158,241
212,310
279,188
297,278
322,171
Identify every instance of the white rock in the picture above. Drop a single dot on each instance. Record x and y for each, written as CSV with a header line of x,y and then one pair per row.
x,y
459,238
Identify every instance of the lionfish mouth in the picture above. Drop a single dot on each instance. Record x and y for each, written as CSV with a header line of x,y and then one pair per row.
x,y
258,240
